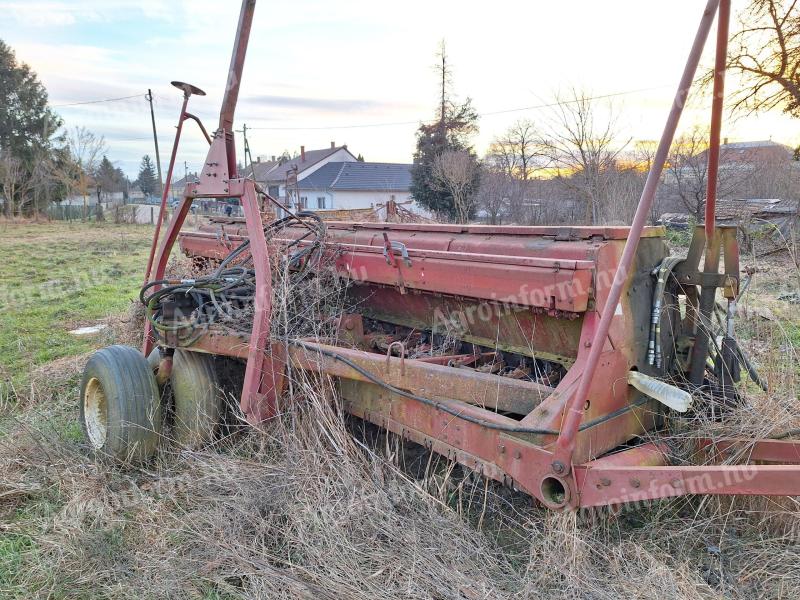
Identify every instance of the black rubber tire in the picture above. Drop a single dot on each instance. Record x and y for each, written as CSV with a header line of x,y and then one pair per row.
x,y
199,400
120,405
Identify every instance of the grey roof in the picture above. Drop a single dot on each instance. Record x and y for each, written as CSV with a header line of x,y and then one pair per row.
x,y
191,178
386,177
261,170
756,144
276,170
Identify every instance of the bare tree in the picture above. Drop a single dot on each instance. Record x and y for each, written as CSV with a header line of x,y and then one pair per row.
x,y
85,150
519,150
517,155
582,149
456,171
765,53
13,180
687,169
495,192
644,152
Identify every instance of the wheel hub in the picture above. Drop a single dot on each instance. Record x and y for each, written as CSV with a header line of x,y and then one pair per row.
x,y
95,413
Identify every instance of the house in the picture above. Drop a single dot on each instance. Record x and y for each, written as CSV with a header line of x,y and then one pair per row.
x,y
275,174
352,185
750,153
177,188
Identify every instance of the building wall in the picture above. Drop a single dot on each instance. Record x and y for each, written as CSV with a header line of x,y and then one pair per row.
x,y
341,199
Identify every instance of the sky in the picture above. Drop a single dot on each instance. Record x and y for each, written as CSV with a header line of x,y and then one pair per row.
x,y
359,72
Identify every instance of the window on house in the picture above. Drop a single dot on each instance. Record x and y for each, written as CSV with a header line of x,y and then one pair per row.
x,y
321,202
274,191
303,202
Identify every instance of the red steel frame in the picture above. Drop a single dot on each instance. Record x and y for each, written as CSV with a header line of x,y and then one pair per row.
x,y
567,465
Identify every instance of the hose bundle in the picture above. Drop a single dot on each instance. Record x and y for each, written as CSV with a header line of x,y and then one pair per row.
x,y
188,307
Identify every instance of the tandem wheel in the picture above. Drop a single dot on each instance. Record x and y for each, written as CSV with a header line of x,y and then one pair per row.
x,y
120,405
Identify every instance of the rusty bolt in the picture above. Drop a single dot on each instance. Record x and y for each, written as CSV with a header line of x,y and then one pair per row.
x,y
502,448
588,343
558,467
676,483
605,482
635,483
517,454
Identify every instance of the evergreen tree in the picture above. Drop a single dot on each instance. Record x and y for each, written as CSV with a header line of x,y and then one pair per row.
x,y
27,128
109,178
452,130
147,177
26,122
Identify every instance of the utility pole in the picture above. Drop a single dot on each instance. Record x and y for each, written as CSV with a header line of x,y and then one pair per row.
x,y
246,147
149,98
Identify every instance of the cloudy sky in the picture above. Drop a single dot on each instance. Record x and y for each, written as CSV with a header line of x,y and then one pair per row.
x,y
355,71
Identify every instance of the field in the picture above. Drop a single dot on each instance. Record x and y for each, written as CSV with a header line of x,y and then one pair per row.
x,y
318,506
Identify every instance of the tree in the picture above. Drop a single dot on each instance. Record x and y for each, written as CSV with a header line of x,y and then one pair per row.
x,y
26,122
765,53
517,156
519,150
686,170
455,124
12,180
147,177
495,192
83,151
455,172
109,178
27,127
583,149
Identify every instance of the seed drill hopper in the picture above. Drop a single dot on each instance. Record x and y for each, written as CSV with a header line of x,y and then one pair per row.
x,y
548,358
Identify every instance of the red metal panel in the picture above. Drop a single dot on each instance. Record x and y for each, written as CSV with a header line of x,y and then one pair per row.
x,y
619,485
779,451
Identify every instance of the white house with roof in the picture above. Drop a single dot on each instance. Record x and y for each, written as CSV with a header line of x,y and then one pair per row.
x,y
345,185
273,174
333,178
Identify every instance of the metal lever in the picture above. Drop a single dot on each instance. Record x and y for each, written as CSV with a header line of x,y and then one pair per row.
x,y
396,246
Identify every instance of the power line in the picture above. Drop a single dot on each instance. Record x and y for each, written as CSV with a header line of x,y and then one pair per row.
x,y
483,114
96,101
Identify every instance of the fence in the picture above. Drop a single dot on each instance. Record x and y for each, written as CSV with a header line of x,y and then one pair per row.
x,y
137,213
67,212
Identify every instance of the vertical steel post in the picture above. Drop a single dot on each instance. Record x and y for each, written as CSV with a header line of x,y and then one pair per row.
x,y
234,79
565,444
155,141
712,256
165,191
720,62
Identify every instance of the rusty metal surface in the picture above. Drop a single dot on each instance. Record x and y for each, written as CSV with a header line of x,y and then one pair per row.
x,y
717,103
600,486
428,379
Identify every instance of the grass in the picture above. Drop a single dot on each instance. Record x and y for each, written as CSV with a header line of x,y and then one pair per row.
x,y
56,277
306,509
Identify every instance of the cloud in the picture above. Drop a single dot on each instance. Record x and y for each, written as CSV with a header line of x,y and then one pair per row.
x,y
60,14
319,105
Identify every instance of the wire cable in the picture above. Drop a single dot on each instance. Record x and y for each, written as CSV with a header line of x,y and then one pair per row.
x,y
465,417
96,101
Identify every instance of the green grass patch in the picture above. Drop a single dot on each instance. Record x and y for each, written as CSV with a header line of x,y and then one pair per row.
x,y
59,276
